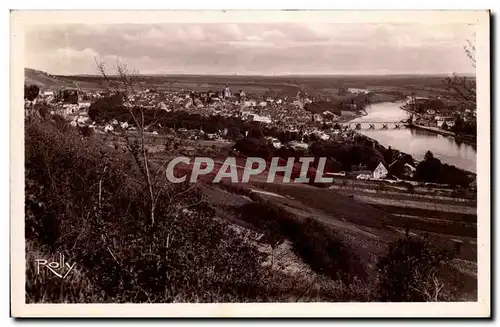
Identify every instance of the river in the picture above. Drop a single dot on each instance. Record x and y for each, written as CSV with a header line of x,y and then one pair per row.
x,y
416,142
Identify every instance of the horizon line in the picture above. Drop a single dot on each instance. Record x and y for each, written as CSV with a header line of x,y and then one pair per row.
x,y
270,75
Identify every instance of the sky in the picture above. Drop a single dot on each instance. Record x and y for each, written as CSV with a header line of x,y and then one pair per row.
x,y
252,49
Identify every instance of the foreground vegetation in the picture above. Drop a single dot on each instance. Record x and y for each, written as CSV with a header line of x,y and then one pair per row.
x,y
88,202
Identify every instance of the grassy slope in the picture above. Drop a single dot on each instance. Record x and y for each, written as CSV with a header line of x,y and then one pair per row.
x,y
48,82
43,80
346,218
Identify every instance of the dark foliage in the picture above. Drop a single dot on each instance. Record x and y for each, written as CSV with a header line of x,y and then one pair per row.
x,y
254,147
68,96
348,154
433,171
462,127
108,107
408,271
31,91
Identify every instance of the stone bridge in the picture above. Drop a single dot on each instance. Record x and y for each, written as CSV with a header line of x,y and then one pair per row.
x,y
373,125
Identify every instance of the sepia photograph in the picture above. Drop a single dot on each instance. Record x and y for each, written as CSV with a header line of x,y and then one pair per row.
x,y
226,163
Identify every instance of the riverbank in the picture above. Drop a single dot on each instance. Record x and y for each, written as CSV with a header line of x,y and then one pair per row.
x,y
379,147
465,139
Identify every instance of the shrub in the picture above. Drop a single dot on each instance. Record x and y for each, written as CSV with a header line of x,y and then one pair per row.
x,y
86,131
107,108
410,271
31,91
326,252
432,170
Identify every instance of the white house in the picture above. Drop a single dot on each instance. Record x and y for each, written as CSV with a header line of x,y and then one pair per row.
x,y
363,176
324,137
321,135
227,92
162,106
250,103
298,145
84,105
409,170
82,120
318,118
357,91
329,113
299,104
380,172
275,142
261,119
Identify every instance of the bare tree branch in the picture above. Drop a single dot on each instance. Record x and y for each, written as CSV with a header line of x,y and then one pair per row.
x,y
127,86
463,89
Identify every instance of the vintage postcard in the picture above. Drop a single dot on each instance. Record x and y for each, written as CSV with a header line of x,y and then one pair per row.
x,y
250,163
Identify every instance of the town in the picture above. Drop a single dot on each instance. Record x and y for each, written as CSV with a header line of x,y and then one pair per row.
x,y
283,122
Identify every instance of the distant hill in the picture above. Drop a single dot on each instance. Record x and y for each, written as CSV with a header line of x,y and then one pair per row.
x,y
42,79
48,81
398,85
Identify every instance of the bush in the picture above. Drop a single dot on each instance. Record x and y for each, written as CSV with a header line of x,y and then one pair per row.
x,y
86,131
327,253
432,170
107,108
31,91
410,271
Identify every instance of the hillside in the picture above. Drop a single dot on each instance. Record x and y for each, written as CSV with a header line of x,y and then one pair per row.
x,y
47,81
42,79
